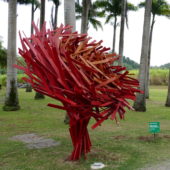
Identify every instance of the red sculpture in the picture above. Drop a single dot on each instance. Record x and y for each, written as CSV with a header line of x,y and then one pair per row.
x,y
68,67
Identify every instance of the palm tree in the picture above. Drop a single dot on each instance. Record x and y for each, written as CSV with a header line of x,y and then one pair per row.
x,y
122,25
34,5
112,9
33,9
69,13
159,8
168,95
42,13
11,101
70,19
42,19
54,14
89,12
140,103
85,14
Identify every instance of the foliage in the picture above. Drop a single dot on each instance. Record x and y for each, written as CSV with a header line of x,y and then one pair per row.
x,y
130,64
19,79
112,8
3,56
117,146
26,2
159,7
165,66
157,76
94,13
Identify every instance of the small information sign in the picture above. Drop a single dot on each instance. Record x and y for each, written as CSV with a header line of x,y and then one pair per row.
x,y
154,127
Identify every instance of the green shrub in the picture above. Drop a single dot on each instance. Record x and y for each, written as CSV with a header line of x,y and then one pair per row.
x,y
157,76
3,79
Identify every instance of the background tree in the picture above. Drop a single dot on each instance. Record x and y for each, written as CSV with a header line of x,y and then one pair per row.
x,y
93,14
85,15
112,10
69,19
140,102
69,13
42,13
54,13
34,5
42,19
11,101
159,8
122,26
168,95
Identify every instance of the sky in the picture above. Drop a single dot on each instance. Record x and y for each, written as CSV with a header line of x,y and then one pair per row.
x,y
133,36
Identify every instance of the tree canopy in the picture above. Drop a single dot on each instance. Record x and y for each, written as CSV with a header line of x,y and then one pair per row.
x,y
94,14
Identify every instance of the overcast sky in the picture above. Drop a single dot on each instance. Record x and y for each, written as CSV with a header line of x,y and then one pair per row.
x,y
133,36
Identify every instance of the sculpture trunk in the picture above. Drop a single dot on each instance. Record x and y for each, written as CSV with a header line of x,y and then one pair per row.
x,y
80,138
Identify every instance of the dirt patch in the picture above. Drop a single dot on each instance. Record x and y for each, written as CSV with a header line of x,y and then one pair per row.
x,y
34,141
120,137
152,138
166,136
145,138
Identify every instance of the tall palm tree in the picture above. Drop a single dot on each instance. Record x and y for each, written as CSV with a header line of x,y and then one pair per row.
x,y
42,13
11,101
69,13
34,5
112,9
85,14
69,19
54,13
140,102
122,25
42,19
168,95
89,12
159,8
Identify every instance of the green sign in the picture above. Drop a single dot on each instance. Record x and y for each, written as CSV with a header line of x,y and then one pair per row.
x,y
154,127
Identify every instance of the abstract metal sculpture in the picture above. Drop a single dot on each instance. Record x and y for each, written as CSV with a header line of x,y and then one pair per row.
x,y
68,67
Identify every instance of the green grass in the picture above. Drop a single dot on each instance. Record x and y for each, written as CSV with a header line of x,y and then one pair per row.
x,y
116,146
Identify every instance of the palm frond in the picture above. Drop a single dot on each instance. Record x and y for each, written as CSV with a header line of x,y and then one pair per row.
x,y
108,18
96,23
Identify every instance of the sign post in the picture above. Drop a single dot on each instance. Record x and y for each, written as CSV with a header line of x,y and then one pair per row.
x,y
154,127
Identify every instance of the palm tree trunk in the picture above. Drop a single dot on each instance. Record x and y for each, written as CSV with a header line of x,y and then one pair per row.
x,y
114,34
55,16
85,14
122,26
149,57
70,19
167,104
140,103
28,87
32,15
11,102
42,13
69,13
42,19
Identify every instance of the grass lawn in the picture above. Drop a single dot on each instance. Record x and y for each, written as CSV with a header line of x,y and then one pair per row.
x,y
124,147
